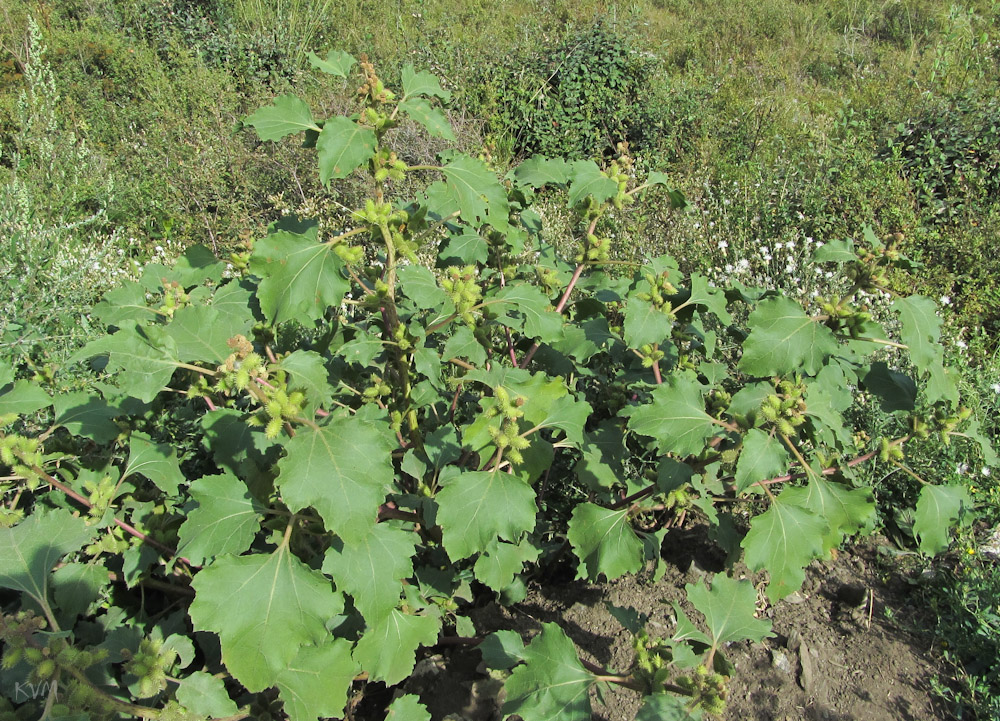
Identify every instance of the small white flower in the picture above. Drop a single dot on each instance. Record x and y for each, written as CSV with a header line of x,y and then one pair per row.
x,y
766,256
743,264
820,244
962,468
961,344
790,244
986,471
158,249
996,388
945,300
809,240
729,267
723,245
697,225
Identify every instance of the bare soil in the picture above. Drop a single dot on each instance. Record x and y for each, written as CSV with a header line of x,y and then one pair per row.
x,y
851,645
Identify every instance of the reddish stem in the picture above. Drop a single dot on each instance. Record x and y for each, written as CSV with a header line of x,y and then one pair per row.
x,y
559,309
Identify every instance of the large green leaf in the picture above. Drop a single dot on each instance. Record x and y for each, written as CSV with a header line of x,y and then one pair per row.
x,y
920,329
432,119
895,391
156,461
938,507
421,286
343,469
336,62
31,549
309,374
341,147
712,298
477,507
667,707
498,565
729,607
315,684
422,83
205,695
552,685
201,332
225,521
604,542
675,417
538,171
645,324
265,607
472,190
407,708
783,540
587,179
300,277
387,651
372,569
846,510
763,456
783,339
538,319
286,115
127,303
145,357
83,414
22,398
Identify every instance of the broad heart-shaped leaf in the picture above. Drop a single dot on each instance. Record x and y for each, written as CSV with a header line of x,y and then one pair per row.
x,y
937,510
763,456
155,461
846,510
783,339
286,115
604,542
587,179
895,391
300,278
540,321
645,324
667,707
835,251
432,119
265,607
146,357
422,83
712,298
675,417
6,373
387,651
315,683
473,190
336,62
127,303
552,685
201,333
372,569
341,147
728,608
225,520
343,469
205,695
83,414
22,398
538,171
31,549
921,329
783,540
477,507
421,286
465,249
309,374
407,708
498,565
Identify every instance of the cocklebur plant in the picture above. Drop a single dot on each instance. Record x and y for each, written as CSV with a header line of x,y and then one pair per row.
x,y
367,437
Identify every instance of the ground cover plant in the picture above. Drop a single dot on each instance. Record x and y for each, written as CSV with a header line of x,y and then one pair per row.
x,y
342,442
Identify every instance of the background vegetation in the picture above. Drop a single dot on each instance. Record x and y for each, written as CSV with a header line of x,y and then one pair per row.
x,y
785,123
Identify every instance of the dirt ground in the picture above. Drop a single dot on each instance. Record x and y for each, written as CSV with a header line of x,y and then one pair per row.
x,y
850,646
